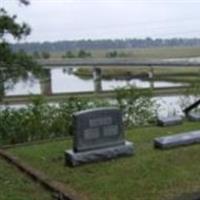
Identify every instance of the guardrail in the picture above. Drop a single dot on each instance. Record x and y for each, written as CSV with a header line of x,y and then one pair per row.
x,y
116,62
23,99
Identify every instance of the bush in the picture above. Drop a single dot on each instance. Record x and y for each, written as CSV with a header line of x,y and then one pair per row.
x,y
137,106
84,54
38,120
112,54
68,54
45,55
41,120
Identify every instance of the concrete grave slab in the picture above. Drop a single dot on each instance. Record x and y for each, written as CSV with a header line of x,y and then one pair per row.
x,y
169,121
177,140
193,116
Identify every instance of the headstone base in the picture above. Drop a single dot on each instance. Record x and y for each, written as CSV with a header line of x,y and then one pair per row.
x,y
74,159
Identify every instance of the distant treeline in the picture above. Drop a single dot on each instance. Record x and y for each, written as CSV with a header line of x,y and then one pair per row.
x,y
62,46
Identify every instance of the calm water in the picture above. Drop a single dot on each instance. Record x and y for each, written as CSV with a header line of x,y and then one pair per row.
x,y
64,81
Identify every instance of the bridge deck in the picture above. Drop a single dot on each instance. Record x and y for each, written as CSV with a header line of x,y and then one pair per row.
x,y
117,62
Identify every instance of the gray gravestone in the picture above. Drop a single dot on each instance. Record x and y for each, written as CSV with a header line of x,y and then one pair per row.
x,y
177,140
193,116
98,135
169,121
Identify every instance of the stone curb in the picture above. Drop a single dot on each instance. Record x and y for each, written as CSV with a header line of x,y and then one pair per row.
x,y
36,142
59,189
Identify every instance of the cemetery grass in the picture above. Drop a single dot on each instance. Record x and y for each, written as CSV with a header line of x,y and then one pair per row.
x,y
150,174
16,186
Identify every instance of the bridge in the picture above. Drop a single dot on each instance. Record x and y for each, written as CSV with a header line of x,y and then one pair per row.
x,y
96,65
119,62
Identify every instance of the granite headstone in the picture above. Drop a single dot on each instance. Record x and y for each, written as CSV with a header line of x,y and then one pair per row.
x,y
98,135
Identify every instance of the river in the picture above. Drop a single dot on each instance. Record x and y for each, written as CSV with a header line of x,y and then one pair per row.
x,y
61,80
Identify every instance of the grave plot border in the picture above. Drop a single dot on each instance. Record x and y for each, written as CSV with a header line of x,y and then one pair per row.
x,y
58,189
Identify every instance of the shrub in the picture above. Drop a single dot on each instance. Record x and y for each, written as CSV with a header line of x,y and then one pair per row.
x,y
41,120
38,120
137,106
45,55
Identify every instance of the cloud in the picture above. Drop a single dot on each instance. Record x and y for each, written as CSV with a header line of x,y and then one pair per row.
x,y
78,19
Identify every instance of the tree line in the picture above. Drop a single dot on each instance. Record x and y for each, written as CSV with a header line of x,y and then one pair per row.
x,y
61,46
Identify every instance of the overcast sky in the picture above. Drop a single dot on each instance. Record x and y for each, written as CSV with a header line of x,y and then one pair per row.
x,y
53,20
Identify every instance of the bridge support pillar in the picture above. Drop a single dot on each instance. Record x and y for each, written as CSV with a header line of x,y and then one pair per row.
x,y
151,76
45,83
97,79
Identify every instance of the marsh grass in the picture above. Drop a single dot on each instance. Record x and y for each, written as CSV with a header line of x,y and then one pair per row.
x,y
173,74
143,53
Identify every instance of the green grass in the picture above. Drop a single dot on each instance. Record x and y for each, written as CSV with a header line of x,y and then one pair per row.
x,y
15,186
186,79
148,175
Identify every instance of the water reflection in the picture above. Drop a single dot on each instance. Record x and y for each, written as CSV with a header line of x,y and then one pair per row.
x,y
45,82
23,87
60,80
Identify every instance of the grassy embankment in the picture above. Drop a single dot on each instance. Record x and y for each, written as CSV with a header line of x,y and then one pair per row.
x,y
175,74
148,175
15,186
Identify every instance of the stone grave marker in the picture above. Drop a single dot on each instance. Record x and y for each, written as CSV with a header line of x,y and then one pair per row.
x,y
190,113
192,116
169,121
181,139
98,135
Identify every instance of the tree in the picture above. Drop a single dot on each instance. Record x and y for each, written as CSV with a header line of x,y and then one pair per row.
x,y
112,54
83,54
14,65
68,54
45,55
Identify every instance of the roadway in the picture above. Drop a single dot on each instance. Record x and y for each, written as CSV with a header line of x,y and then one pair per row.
x,y
118,62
